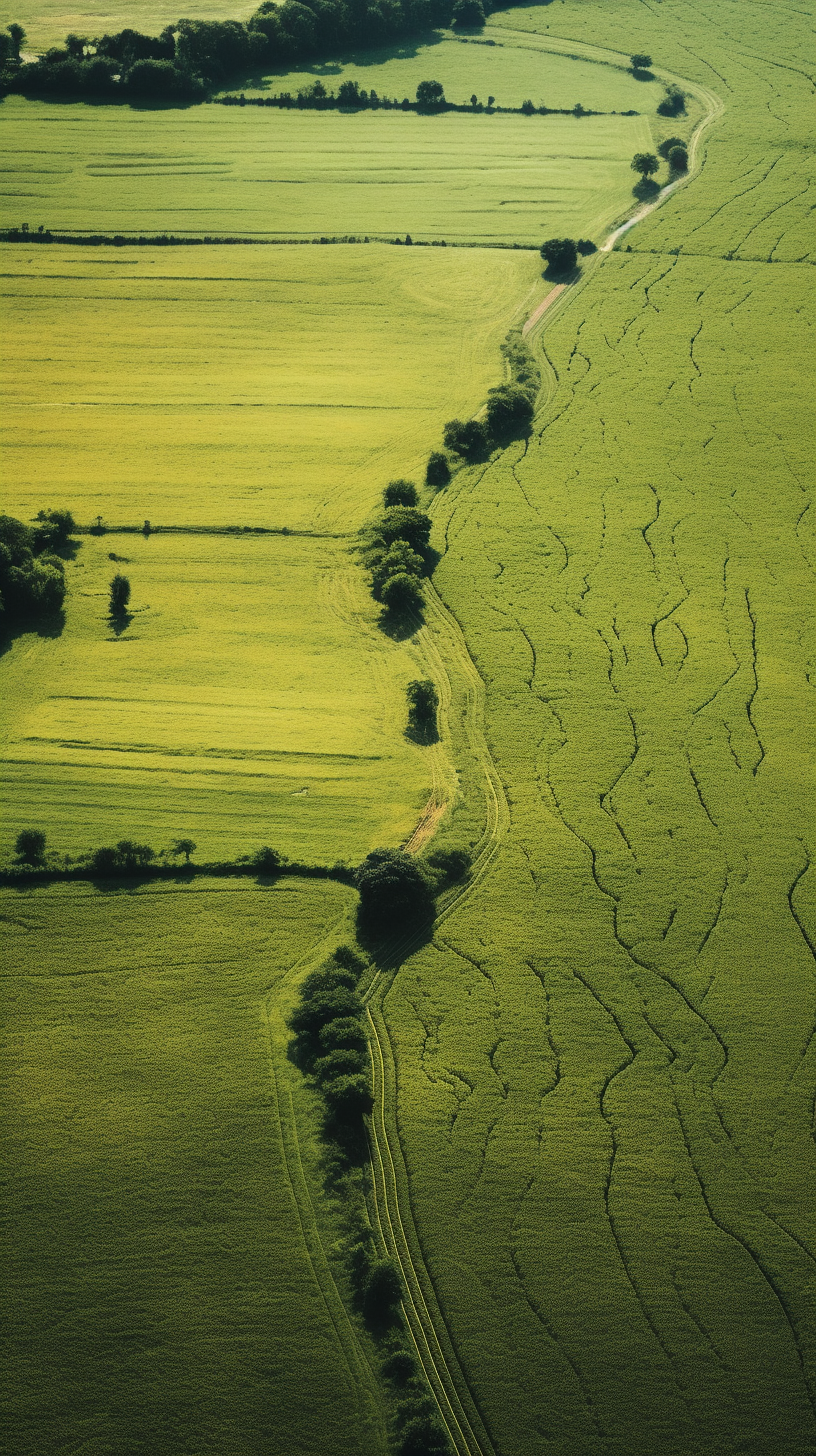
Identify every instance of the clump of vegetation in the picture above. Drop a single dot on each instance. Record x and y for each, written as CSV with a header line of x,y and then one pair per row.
x,y
646,163
469,14
123,858
423,702
678,159
448,866
400,493
29,846
396,892
185,847
430,95
560,255
396,551
32,576
640,65
468,438
266,861
586,246
437,471
673,103
119,595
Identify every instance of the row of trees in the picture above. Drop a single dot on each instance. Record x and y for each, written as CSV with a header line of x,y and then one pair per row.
x,y
32,569
430,99
396,550
509,410
193,56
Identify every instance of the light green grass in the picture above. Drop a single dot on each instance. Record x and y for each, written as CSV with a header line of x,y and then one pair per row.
x,y
512,69
161,1295
47,22
262,386
252,700
270,174
605,1063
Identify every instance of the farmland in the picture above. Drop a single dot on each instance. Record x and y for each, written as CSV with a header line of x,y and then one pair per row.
x,y
251,386
47,22
161,1234
595,1083
251,700
604,1065
232,171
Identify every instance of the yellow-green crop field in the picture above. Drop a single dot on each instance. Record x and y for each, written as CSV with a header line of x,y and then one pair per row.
x,y
269,174
165,1290
47,22
250,700
242,386
512,69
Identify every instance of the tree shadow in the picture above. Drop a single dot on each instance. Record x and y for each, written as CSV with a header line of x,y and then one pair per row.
x,y
646,190
422,733
641,75
50,626
390,945
399,626
561,275
119,622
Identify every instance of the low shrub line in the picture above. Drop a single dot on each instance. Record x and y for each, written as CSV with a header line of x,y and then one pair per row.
x,y
316,98
145,870
24,234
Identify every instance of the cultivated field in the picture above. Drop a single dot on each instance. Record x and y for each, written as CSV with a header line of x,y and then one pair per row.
x,y
47,22
251,700
605,1064
271,174
159,1231
252,386
512,69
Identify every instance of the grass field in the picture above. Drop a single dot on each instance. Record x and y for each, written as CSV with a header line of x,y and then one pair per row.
x,y
157,1232
252,700
269,386
605,1063
512,69
47,22
271,174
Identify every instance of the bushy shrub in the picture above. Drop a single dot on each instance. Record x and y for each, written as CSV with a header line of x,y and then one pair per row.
x,y
437,471
509,411
124,857
423,702
402,595
560,255
400,493
678,159
468,13
466,437
398,559
32,580
267,861
670,142
119,595
160,80
586,246
29,846
673,103
403,523
449,865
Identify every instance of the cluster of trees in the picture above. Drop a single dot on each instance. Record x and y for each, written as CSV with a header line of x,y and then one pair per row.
x,y
398,892
674,151
561,254
189,58
510,407
396,550
673,103
32,572
329,1045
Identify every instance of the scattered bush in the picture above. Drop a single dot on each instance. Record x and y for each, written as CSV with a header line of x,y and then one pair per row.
x,y
666,146
29,846
560,255
640,62
125,857
185,847
437,471
586,246
678,159
267,861
400,493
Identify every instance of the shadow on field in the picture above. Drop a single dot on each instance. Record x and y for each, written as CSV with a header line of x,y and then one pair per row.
x,y
646,189
399,626
120,622
49,627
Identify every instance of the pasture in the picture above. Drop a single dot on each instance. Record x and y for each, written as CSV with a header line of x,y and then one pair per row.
x,y
270,386
270,174
250,700
158,1232
512,69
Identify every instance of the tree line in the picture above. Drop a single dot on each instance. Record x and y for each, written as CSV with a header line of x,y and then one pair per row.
x,y
32,569
430,100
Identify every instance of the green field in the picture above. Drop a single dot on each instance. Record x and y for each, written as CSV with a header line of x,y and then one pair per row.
x,y
251,700
158,1233
594,1087
512,69
252,386
605,1064
47,22
270,174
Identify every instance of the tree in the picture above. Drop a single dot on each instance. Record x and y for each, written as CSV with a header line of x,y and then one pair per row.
x,y
404,523
267,861
509,411
646,163
348,1097
423,702
560,255
673,103
53,529
32,580
399,1365
586,246
430,95
119,595
30,846
125,857
383,1292
678,159
17,34
159,79
670,142
349,94
469,13
402,594
450,864
400,493
466,437
528,109
395,891
400,559
640,62
437,471
185,847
